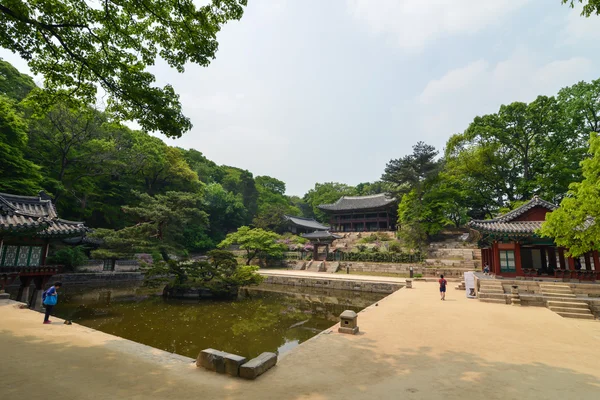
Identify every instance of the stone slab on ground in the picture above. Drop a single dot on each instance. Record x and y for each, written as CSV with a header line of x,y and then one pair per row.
x,y
212,360
233,363
258,365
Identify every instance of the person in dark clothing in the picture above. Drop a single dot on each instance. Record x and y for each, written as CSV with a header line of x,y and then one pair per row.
x,y
443,284
49,299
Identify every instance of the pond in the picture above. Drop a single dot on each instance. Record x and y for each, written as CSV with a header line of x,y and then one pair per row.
x,y
264,318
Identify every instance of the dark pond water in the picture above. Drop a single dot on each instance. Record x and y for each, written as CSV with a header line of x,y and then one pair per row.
x,y
266,318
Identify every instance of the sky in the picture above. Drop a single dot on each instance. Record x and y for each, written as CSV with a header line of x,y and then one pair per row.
x,y
319,91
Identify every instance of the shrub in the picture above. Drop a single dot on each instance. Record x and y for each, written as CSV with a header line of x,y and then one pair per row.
x,y
394,247
69,257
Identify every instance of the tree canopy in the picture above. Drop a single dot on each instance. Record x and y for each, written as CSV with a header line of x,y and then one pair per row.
x,y
79,45
576,223
590,6
256,242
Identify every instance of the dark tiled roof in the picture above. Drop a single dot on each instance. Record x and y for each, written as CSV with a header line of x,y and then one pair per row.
x,y
34,214
321,235
359,203
506,224
307,223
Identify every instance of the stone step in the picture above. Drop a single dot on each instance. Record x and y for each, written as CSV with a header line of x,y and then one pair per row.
x,y
495,301
556,290
492,289
578,316
569,304
554,294
570,310
497,296
555,286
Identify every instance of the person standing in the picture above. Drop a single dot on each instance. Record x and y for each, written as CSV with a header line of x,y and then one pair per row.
x,y
486,269
443,284
49,299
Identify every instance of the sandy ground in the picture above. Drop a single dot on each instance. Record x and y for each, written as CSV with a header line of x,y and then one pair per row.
x,y
411,346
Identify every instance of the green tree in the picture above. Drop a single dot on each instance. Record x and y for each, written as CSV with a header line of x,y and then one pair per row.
x,y
326,193
575,224
590,6
69,257
77,45
14,84
256,242
158,224
412,171
420,216
17,174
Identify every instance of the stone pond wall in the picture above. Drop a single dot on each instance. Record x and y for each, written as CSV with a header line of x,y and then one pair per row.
x,y
404,269
336,284
99,278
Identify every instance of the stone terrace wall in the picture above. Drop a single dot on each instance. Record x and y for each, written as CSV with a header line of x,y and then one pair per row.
x,y
99,278
404,269
336,284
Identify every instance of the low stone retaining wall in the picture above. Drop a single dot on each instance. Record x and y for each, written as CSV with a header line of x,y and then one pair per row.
x,y
404,269
99,278
336,284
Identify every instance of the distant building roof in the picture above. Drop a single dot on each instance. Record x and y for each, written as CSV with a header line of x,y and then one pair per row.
x,y
35,214
359,203
307,223
506,223
320,235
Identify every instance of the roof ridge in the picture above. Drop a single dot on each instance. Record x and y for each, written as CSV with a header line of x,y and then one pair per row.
x,y
370,196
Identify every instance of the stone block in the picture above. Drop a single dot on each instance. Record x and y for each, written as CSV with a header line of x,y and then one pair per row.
x,y
212,360
258,365
233,363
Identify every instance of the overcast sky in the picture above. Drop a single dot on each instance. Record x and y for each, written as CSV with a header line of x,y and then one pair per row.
x,y
315,91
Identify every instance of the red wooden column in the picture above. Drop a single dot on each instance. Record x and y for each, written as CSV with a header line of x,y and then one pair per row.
x,y
495,258
571,263
596,260
518,265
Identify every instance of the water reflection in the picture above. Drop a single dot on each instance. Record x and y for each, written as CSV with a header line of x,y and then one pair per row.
x,y
265,318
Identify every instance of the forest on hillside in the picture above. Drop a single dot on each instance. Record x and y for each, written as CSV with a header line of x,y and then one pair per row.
x,y
112,177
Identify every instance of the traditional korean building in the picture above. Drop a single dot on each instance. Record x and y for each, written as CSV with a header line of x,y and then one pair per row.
x,y
320,239
298,225
511,246
27,226
362,213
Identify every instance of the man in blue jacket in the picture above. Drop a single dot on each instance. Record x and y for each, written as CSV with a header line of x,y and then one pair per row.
x,y
49,299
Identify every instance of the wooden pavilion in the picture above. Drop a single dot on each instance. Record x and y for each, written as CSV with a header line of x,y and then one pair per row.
x,y
512,247
27,226
298,225
362,213
319,239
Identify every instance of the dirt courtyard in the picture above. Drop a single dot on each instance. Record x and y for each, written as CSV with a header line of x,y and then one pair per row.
x,y
411,346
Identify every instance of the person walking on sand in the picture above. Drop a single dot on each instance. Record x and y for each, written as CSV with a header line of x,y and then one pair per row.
x,y
49,299
443,284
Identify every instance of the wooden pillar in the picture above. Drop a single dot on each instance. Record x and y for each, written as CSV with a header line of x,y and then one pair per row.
x,y
551,258
571,263
496,258
315,252
588,265
45,252
544,259
561,256
596,260
518,266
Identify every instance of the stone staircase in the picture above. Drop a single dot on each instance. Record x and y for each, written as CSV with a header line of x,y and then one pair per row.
x,y
562,301
315,266
491,291
332,267
300,265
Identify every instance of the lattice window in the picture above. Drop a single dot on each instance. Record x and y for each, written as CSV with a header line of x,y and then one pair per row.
x,y
507,261
23,257
9,258
35,256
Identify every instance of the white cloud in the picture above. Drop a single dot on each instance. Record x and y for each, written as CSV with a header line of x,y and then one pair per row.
x,y
578,29
415,23
448,104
